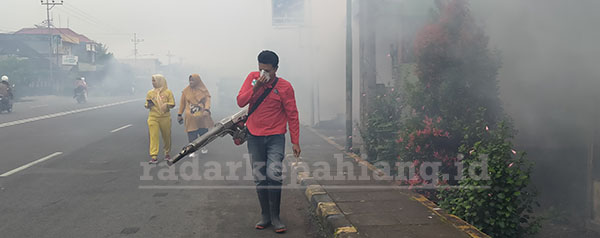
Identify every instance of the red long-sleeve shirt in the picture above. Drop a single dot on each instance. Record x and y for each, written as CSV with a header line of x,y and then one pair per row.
x,y
276,111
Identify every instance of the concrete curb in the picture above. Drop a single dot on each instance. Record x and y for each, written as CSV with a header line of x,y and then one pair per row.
x,y
327,212
453,220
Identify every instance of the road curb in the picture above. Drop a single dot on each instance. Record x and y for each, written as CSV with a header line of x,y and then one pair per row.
x,y
327,212
453,220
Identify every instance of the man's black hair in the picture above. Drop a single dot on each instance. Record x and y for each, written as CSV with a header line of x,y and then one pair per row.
x,y
268,57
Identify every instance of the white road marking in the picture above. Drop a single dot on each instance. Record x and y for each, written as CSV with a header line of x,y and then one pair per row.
x,y
120,128
38,106
30,164
23,121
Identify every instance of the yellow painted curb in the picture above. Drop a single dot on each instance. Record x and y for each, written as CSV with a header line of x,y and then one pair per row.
x,y
325,209
453,220
312,190
345,230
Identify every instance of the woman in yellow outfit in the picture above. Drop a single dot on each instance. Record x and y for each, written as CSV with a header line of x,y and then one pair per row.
x,y
159,100
195,102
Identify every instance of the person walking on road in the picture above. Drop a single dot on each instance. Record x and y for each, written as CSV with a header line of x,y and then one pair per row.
x,y
160,101
272,108
195,107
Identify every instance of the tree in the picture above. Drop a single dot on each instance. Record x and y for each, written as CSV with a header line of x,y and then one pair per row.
x,y
21,71
454,115
102,54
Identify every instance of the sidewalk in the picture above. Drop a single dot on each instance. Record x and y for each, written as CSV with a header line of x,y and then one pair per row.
x,y
366,207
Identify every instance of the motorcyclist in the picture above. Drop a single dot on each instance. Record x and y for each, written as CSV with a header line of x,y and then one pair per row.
x,y
8,86
5,95
80,87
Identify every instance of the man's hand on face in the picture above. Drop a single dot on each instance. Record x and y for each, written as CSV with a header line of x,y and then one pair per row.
x,y
260,82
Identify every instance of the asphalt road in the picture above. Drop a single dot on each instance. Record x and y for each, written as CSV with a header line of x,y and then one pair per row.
x,y
80,170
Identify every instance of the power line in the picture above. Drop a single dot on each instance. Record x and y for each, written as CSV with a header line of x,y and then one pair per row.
x,y
84,19
93,18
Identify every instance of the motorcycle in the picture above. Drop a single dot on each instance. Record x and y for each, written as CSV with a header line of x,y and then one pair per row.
x,y
5,104
80,95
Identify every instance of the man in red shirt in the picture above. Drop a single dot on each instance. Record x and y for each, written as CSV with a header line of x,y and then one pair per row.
x,y
267,128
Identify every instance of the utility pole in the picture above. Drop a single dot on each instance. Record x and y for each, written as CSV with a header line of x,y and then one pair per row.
x,y
170,55
135,41
367,47
49,5
348,75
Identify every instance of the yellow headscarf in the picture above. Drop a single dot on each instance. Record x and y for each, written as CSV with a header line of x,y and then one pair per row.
x,y
161,84
197,94
160,81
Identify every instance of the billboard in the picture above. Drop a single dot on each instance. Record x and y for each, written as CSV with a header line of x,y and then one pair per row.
x,y
288,13
69,60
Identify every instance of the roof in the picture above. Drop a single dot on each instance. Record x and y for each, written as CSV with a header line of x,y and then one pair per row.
x,y
66,34
10,47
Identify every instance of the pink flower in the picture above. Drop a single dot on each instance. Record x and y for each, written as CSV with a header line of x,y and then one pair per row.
x,y
426,131
427,120
511,164
418,149
400,139
514,152
439,119
415,180
487,128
